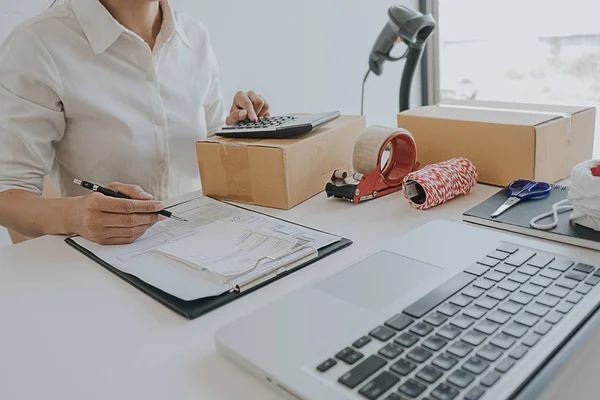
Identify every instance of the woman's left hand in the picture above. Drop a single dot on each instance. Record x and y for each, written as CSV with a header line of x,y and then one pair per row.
x,y
247,106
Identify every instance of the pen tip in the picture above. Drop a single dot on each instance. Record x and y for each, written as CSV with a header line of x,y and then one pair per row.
x,y
77,181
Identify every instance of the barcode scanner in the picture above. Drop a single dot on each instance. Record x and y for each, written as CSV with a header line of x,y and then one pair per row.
x,y
410,27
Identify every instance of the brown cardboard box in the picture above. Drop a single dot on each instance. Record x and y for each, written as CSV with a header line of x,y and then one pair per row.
x,y
278,173
505,141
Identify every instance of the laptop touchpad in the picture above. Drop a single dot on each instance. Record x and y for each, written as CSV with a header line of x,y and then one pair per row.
x,y
378,280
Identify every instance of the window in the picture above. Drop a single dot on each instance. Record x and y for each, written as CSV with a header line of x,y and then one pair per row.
x,y
532,51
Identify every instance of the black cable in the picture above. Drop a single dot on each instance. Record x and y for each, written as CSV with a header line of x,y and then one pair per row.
x,y
362,97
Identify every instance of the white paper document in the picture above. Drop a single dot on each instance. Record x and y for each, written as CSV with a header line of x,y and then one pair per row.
x,y
220,247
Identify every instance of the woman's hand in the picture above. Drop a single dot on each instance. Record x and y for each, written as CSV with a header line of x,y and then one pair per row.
x,y
109,220
247,106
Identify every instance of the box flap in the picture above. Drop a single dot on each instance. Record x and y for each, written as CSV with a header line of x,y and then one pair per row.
x,y
495,112
285,143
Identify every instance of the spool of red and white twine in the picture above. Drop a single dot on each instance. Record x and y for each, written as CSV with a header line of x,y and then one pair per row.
x,y
437,183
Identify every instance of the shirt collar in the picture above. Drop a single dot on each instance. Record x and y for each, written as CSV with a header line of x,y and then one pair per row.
x,y
102,30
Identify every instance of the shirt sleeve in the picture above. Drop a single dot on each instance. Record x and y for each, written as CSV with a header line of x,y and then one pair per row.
x,y
31,112
216,113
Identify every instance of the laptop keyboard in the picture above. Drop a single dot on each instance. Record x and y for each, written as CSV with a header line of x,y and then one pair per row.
x,y
459,339
264,122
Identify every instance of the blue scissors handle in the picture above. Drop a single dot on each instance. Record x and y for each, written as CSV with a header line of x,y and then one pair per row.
x,y
526,189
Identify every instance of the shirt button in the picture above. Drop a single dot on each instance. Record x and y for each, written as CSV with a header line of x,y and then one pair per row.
x,y
158,122
150,77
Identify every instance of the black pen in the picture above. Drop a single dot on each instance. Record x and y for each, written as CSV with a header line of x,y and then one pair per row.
x,y
113,193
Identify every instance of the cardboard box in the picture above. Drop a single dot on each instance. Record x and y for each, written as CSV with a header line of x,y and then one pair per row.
x,y
506,141
278,173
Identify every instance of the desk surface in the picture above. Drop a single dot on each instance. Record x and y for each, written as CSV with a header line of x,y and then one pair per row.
x,y
71,330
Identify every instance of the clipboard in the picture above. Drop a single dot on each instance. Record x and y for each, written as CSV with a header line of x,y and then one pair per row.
x,y
196,308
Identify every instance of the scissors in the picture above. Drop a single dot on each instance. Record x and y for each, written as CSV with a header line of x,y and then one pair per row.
x,y
523,189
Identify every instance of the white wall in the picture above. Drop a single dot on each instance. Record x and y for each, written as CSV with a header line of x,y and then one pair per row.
x,y
304,56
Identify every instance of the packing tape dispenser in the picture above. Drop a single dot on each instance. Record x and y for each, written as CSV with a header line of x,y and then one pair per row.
x,y
382,158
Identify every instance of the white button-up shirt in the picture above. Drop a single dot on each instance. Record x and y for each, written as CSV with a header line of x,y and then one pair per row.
x,y
83,97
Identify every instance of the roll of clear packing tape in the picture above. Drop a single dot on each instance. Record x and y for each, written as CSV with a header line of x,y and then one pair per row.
x,y
390,150
435,184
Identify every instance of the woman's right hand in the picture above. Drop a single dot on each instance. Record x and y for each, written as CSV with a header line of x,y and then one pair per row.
x,y
109,220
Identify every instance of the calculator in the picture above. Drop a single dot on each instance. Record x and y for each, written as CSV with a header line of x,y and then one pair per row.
x,y
278,127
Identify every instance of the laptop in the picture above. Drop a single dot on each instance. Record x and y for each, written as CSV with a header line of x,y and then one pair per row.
x,y
448,311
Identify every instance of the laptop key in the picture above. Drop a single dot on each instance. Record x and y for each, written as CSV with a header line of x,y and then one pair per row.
x,y
445,361
505,269
461,300
508,248
460,378
520,257
498,255
585,289
421,329
518,352
503,341
463,321
394,396
505,365
475,393
382,333
349,355
499,317
491,378
399,322
576,275
406,339
521,298
326,365
548,300
489,262
527,319
362,342
538,309
474,338
541,281
557,291
487,302
574,298
434,343
593,281
475,312
511,286
429,375
486,326
514,329
561,265
448,309
362,371
391,351
532,290
494,276
510,307
475,365
435,319
531,339
439,295
567,283
403,367
489,352
484,283
474,292
419,354
498,294
585,268
518,277
444,392
541,260
528,270
412,388
477,269
449,332
554,317
543,328
564,308
459,349
550,273
381,384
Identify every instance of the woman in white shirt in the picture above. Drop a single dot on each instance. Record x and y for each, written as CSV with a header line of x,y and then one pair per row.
x,y
106,91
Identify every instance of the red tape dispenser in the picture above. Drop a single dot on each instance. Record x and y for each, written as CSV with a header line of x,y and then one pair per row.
x,y
382,158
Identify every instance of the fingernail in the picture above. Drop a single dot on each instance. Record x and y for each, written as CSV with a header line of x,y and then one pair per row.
x,y
147,196
242,114
161,217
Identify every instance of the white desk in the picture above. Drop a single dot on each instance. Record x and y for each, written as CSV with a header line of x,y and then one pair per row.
x,y
71,330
